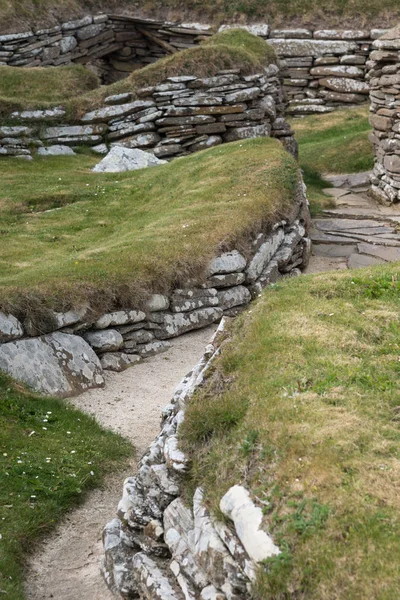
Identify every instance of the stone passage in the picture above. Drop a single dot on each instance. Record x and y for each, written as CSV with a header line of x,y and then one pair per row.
x,y
384,80
356,231
162,547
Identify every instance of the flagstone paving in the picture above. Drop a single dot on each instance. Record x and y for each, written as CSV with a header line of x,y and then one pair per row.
x,y
356,231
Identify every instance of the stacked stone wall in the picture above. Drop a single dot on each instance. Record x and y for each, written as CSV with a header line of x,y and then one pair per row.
x,y
177,117
323,69
69,356
384,81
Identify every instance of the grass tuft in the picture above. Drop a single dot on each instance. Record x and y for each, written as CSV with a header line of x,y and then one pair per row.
x,y
50,455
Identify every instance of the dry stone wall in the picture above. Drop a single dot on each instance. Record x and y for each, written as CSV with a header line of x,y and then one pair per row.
x,y
163,548
177,117
384,80
323,69
70,356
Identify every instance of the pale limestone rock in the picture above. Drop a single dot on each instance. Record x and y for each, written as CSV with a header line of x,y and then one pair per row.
x,y
247,519
119,317
157,302
121,159
10,328
235,296
118,361
229,262
263,255
57,365
56,150
152,582
108,340
172,325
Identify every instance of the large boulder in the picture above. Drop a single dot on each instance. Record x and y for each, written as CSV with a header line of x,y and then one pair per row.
x,y
121,159
59,364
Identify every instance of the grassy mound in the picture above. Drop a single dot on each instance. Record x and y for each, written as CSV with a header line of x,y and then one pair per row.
x,y
72,236
332,144
233,49
308,420
50,455
24,87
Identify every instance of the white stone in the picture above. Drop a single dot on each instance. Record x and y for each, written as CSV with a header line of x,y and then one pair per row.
x,y
247,519
107,340
56,150
10,328
121,159
229,262
119,317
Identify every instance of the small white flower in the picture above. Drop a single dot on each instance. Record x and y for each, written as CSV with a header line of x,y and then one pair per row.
x,y
5,454
68,432
73,451
19,462
45,428
91,472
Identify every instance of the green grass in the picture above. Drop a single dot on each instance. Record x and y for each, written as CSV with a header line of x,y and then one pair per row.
x,y
334,143
302,408
272,11
39,86
50,455
70,236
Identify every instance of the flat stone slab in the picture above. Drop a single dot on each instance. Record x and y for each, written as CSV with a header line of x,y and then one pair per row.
x,y
349,180
355,261
334,250
349,225
384,253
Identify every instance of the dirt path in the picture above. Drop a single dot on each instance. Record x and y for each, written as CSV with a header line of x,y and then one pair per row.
x,y
66,567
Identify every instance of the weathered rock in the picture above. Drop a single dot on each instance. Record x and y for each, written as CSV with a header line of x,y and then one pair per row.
x,y
108,340
120,317
10,328
152,348
247,518
118,361
172,325
229,262
227,280
187,300
68,43
153,583
121,159
113,112
313,48
345,85
235,296
58,364
263,255
117,567
157,302
56,150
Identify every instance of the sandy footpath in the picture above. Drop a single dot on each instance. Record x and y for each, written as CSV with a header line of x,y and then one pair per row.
x,y
66,566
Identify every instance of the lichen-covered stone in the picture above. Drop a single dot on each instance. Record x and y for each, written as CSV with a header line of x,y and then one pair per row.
x,y
57,365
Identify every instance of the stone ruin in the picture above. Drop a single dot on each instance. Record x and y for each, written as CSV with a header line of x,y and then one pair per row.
x,y
322,68
384,81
